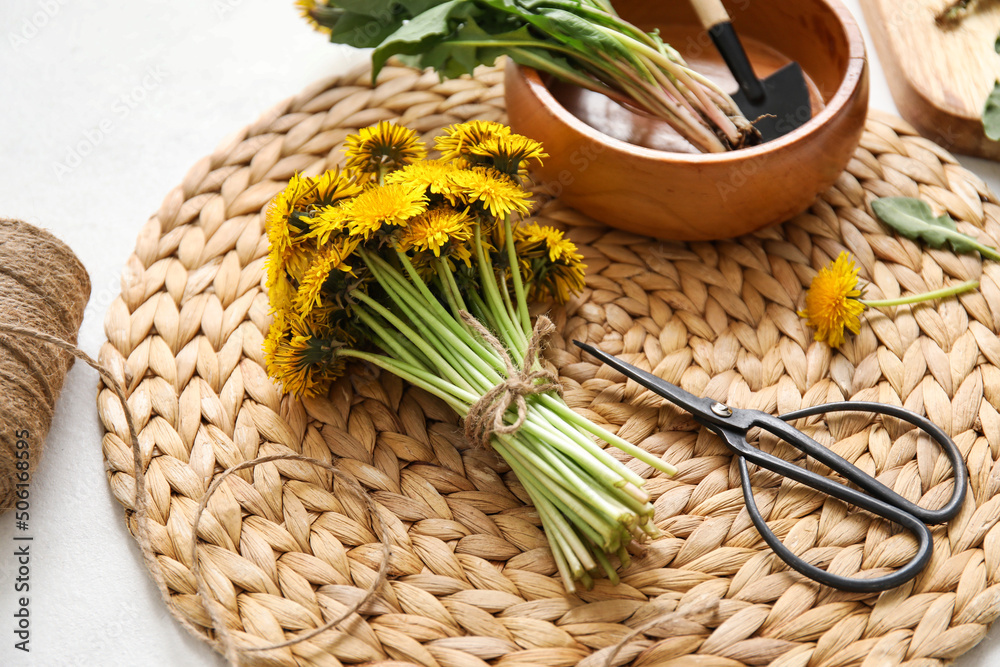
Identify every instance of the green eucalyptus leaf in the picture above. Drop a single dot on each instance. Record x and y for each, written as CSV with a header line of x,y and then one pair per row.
x,y
991,114
914,219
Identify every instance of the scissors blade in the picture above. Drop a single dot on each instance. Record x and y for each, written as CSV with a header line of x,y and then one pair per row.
x,y
697,406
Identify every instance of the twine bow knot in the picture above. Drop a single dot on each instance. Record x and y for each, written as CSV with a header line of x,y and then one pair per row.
x,y
486,416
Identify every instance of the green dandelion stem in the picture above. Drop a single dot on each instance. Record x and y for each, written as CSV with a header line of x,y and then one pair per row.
x,y
438,360
455,397
470,365
457,344
577,483
492,294
564,412
515,272
585,449
570,508
391,343
942,293
560,488
511,313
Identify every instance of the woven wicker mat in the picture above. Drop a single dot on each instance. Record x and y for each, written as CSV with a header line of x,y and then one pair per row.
x,y
471,580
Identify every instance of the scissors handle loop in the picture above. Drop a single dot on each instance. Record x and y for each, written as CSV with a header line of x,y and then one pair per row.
x,y
871,485
875,497
851,584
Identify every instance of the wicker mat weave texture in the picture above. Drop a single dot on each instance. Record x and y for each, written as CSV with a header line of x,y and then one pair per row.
x,y
471,580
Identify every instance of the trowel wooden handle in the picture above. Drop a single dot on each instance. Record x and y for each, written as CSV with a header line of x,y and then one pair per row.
x,y
710,12
716,21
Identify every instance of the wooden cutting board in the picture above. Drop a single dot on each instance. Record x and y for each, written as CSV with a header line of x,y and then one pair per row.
x,y
939,77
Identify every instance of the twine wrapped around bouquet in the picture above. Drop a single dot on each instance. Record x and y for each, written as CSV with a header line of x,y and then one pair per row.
x,y
486,416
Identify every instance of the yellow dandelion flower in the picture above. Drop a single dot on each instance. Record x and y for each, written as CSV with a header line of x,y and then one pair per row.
x,y
330,221
562,281
833,301
559,248
508,153
301,354
330,258
494,191
382,148
552,266
287,219
436,229
434,176
280,219
384,205
297,262
280,291
333,186
458,139
311,11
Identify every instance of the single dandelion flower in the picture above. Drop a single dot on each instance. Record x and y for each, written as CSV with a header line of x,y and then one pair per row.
x,y
288,216
834,303
301,354
331,259
314,13
281,220
554,268
554,242
458,140
333,186
298,261
280,291
384,205
383,148
508,153
558,281
434,176
494,191
441,227
330,221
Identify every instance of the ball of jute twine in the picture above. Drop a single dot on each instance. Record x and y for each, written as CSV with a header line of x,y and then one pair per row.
x,y
45,289
43,286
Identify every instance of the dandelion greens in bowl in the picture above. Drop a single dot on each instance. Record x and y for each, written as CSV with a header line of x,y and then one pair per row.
x,y
582,42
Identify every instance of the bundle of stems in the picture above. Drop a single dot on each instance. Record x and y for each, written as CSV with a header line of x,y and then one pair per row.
x,y
436,291
583,42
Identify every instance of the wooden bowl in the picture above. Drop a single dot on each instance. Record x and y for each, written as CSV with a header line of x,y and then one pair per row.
x,y
622,174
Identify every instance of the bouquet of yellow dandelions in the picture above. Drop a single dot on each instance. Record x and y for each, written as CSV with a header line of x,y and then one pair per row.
x,y
424,268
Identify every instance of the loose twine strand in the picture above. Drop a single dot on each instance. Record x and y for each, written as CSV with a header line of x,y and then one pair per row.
x,y
486,416
227,646
701,609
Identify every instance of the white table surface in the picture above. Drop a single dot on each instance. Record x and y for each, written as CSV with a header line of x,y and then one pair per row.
x,y
103,108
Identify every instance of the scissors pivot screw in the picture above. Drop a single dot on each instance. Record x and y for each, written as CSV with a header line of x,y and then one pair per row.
x,y
722,410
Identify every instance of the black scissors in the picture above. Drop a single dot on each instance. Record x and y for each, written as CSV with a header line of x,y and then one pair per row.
x,y
732,425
